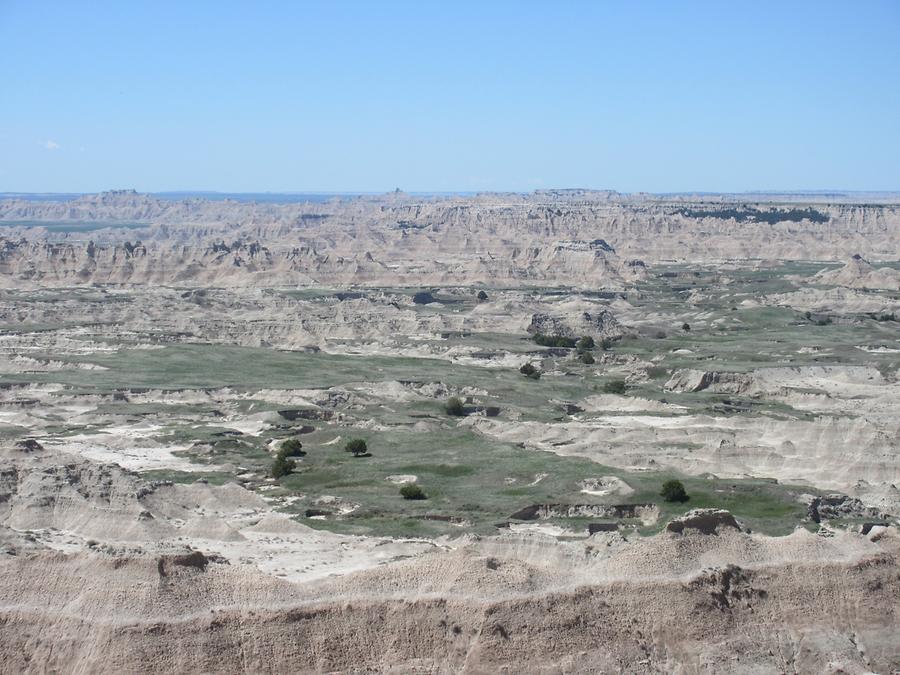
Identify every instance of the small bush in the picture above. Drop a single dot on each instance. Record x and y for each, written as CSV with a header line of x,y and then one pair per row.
x,y
291,448
585,343
587,358
686,327
282,466
482,296
412,491
357,447
527,369
615,387
455,407
673,491
606,344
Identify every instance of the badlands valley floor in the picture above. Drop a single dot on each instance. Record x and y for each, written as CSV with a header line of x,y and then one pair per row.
x,y
140,418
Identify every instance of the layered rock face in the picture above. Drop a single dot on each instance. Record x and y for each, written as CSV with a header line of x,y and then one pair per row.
x,y
586,239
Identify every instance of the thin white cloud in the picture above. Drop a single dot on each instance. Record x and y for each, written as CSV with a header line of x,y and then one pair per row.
x,y
50,145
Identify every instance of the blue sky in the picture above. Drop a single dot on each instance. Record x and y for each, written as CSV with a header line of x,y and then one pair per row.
x,y
444,96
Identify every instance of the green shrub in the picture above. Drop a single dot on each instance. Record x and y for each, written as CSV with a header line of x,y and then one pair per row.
x,y
585,343
282,466
686,327
455,407
587,358
412,491
673,491
291,448
615,387
527,369
357,446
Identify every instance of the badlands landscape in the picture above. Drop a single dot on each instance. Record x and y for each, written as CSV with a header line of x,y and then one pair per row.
x,y
181,379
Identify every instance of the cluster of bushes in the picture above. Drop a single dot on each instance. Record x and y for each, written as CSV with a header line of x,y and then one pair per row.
x,y
754,215
284,462
529,370
582,344
884,317
554,341
584,347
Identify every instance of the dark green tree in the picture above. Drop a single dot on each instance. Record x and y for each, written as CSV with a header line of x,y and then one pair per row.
x,y
282,466
455,407
673,491
291,448
412,491
357,447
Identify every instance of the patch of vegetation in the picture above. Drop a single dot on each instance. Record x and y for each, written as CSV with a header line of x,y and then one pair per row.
x,y
282,466
615,387
560,341
357,447
673,491
751,214
292,448
585,343
586,358
412,491
455,408
529,370
884,317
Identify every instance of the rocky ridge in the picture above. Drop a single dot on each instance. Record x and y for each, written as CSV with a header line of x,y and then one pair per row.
x,y
396,239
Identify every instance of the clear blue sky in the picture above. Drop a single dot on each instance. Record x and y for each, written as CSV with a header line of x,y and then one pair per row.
x,y
369,96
